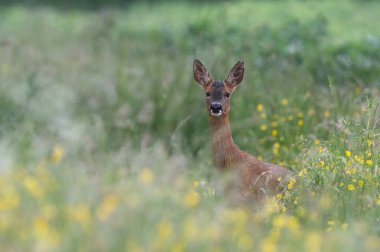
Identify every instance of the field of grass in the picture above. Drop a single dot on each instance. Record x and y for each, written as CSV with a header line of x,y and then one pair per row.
x,y
104,138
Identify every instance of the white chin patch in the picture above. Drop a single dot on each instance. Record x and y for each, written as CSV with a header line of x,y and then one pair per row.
x,y
216,114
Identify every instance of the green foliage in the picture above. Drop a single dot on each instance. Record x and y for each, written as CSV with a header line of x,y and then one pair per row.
x,y
104,138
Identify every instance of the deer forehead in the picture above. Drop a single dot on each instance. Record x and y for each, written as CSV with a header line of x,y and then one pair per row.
x,y
218,86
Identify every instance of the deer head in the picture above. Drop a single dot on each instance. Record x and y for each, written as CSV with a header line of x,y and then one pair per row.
x,y
217,93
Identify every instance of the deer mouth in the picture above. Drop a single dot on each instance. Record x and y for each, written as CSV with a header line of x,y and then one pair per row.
x,y
216,112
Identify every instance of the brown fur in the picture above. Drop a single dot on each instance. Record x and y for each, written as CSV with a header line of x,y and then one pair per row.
x,y
255,178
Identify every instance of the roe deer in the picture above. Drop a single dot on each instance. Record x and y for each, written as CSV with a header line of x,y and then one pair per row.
x,y
255,179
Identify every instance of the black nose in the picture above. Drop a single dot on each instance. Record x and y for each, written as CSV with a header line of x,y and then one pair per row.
x,y
216,106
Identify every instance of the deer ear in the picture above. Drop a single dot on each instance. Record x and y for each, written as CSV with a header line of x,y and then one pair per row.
x,y
201,74
236,74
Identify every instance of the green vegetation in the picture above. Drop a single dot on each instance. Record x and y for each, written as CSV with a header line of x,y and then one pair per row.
x,y
104,140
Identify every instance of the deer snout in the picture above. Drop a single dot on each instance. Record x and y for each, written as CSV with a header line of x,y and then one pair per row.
x,y
216,108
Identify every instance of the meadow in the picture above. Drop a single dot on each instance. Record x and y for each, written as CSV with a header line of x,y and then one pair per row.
x,y
104,138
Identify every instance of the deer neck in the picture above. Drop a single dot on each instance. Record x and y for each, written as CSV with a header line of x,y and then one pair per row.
x,y
224,150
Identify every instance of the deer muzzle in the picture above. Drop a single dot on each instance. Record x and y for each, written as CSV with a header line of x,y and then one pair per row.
x,y
216,109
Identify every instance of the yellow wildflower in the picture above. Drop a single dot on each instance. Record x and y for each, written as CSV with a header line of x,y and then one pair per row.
x,y
47,237
9,198
291,183
344,226
300,122
260,107
279,221
284,102
146,176
300,174
164,230
378,202
369,142
195,183
274,133
369,162
322,163
351,187
33,187
263,127
293,224
327,114
360,183
274,124
57,154
331,223
191,199
348,153
269,244
107,206
263,116
282,163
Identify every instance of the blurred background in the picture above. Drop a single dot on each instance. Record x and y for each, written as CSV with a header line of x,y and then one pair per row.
x,y
101,89
116,75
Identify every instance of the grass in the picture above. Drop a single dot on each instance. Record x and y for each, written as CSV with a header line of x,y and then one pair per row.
x,y
104,137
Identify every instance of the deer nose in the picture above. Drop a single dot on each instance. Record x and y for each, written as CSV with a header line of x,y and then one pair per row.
x,y
216,106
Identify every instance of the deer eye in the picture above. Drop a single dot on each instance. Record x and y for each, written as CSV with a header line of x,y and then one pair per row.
x,y
208,94
227,94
